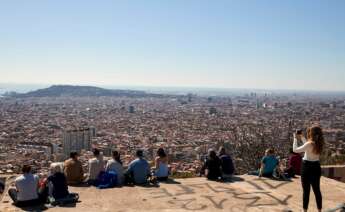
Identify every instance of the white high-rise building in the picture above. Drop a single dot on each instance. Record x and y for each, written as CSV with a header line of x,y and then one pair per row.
x,y
76,140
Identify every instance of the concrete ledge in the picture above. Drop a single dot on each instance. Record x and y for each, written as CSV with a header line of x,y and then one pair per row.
x,y
334,172
248,193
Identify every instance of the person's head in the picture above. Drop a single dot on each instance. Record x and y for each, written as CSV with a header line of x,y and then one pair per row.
x,y
116,155
26,169
161,153
95,152
73,155
212,154
221,151
315,135
139,153
55,168
269,152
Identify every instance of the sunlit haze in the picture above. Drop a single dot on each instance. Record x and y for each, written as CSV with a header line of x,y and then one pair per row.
x,y
217,44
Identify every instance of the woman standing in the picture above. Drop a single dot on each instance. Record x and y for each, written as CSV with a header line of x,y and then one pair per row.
x,y
311,169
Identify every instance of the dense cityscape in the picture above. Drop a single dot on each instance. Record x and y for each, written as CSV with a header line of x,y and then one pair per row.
x,y
34,129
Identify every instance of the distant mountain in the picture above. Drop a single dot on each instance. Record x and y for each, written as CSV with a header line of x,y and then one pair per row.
x,y
81,91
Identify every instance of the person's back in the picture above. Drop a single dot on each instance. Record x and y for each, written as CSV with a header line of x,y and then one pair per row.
x,y
140,170
59,185
115,166
295,163
213,166
73,170
27,187
227,164
96,165
163,170
270,163
161,165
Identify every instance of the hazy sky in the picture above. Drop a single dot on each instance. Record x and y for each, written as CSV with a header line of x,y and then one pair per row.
x,y
227,44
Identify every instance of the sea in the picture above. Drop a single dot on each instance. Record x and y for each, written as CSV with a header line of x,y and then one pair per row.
x,y
24,88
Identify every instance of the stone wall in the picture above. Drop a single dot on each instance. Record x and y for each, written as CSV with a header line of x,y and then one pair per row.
x,y
334,172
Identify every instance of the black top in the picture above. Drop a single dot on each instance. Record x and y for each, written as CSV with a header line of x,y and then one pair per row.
x,y
227,164
214,168
60,188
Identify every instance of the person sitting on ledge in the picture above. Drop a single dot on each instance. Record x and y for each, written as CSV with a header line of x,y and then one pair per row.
x,y
268,165
96,166
26,192
227,164
57,182
115,165
73,170
212,166
161,165
294,164
138,170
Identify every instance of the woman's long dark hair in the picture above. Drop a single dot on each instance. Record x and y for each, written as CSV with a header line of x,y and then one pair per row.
x,y
315,134
117,157
212,155
161,153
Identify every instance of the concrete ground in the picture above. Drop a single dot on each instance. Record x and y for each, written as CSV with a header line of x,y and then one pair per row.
x,y
247,193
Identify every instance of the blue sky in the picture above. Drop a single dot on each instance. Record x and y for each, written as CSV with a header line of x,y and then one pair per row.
x,y
215,43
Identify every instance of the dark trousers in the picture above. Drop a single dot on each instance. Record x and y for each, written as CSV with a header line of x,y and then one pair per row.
x,y
13,194
310,176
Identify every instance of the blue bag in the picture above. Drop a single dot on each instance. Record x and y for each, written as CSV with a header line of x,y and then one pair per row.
x,y
107,180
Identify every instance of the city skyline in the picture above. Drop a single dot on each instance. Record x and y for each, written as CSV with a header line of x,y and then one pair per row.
x,y
295,45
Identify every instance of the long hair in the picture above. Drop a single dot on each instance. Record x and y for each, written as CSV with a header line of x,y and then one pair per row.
x,y
315,134
161,153
212,155
117,156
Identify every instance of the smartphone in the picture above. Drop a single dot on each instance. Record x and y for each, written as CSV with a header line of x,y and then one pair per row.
x,y
298,132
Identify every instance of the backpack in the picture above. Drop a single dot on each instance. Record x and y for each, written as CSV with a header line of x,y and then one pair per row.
x,y
107,180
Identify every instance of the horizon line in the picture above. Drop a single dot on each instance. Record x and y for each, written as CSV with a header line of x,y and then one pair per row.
x,y
108,86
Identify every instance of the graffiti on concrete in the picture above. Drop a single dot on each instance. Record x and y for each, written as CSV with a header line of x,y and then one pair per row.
x,y
189,197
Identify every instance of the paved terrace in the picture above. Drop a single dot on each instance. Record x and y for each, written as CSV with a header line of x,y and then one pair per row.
x,y
248,193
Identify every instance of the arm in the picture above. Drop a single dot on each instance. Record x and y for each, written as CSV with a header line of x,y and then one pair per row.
x,y
50,188
130,167
81,172
261,169
300,149
157,163
107,166
148,170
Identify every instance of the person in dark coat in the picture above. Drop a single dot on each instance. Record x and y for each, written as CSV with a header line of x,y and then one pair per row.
x,y
212,166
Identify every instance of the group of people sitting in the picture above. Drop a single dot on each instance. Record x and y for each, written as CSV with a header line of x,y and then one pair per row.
x,y
138,171
30,190
270,166
221,166
218,167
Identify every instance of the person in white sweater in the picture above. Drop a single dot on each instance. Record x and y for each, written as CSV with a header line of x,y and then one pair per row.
x,y
115,164
311,169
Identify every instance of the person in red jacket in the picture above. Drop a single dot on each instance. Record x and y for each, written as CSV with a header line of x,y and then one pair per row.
x,y
294,164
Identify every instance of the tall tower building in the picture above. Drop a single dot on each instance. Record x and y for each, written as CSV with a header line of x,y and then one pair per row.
x,y
78,139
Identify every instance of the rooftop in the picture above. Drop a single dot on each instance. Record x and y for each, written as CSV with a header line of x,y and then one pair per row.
x,y
247,193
